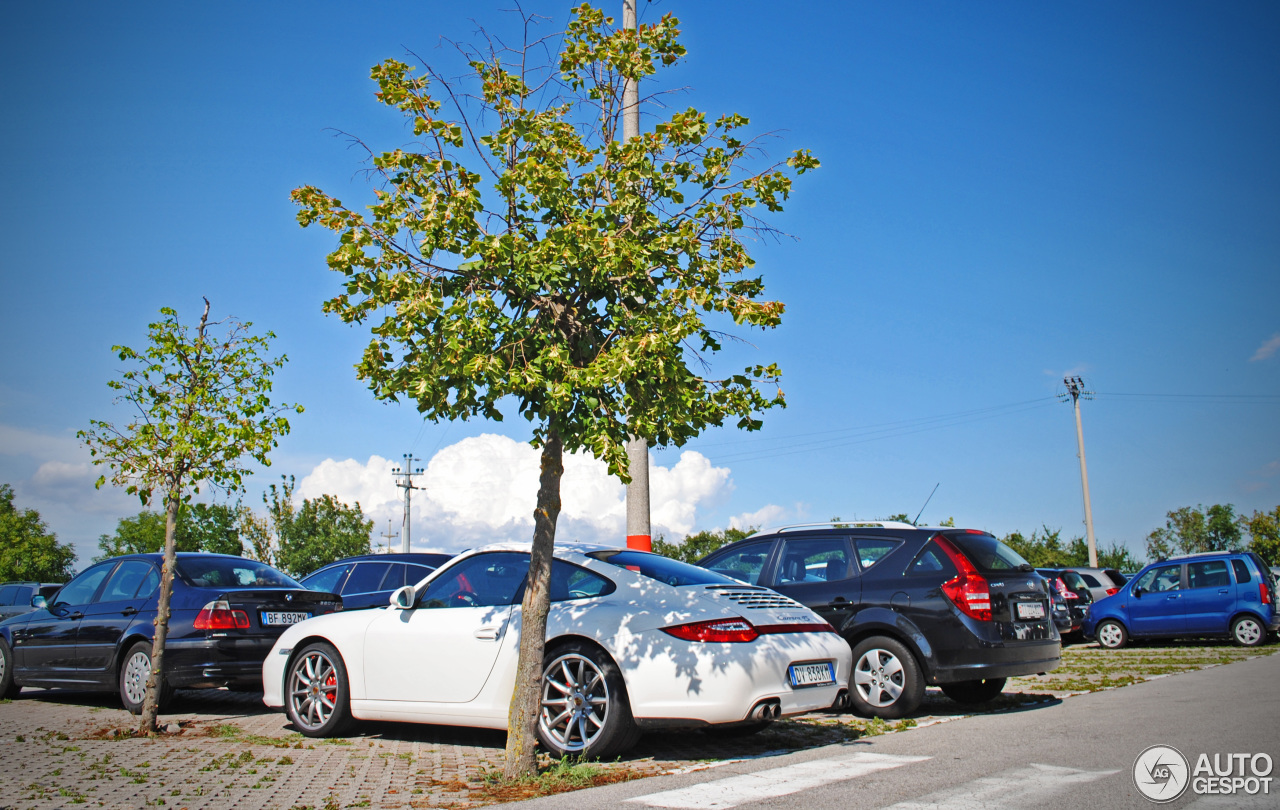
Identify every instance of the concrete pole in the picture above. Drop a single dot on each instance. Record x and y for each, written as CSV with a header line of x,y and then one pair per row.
x,y
639,533
1076,386
405,474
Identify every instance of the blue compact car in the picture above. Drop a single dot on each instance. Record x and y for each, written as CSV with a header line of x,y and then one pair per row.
x,y
1221,594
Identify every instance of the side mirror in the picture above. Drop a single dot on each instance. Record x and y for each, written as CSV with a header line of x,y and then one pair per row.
x,y
1137,592
402,598
38,602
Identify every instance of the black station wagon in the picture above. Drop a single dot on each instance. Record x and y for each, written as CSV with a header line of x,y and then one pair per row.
x,y
955,608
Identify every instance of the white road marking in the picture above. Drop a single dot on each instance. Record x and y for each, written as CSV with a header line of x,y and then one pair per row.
x,y
1030,786
734,790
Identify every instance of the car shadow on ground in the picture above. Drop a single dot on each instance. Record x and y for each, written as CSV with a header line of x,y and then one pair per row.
x,y
184,701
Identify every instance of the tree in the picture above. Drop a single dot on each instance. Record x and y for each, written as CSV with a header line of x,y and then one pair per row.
x,y
28,550
1192,530
201,403
316,533
201,527
696,546
1044,549
586,287
1264,533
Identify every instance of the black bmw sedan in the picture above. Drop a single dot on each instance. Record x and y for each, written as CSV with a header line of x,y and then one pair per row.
x,y
96,632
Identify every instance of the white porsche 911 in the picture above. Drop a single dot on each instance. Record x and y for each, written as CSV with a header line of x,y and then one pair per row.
x,y
635,641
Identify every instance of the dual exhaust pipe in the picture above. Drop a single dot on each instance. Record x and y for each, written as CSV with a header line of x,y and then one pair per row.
x,y
771,708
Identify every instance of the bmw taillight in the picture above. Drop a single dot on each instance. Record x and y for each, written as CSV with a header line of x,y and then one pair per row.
x,y
730,630
219,616
968,590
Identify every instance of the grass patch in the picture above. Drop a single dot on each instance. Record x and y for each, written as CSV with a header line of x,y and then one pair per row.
x,y
560,776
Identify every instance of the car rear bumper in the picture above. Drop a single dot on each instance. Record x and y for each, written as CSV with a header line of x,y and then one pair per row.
x,y
1009,661
212,662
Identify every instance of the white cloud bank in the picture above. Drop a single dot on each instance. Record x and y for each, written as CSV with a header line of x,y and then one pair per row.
x,y
1268,348
483,489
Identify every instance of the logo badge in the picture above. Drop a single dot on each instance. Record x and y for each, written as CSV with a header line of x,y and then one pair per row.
x,y
1161,773
288,597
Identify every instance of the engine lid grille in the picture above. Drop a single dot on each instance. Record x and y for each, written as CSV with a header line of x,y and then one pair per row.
x,y
750,597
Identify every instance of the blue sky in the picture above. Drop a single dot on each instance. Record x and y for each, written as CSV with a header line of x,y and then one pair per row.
x,y
1009,192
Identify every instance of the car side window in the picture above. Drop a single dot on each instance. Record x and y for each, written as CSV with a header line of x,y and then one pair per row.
x,y
80,590
820,559
481,581
1160,580
366,578
416,573
149,584
569,581
1208,574
327,579
744,563
870,551
931,560
8,594
1242,571
126,580
1091,580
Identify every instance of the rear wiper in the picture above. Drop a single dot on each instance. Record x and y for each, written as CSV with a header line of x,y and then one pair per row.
x,y
1026,567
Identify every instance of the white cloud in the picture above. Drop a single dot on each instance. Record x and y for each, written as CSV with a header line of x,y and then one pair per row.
x,y
1268,348
484,489
771,515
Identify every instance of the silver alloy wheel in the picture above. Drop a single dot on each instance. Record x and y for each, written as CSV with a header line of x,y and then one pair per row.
x,y
1110,635
575,702
313,690
1247,631
136,672
879,678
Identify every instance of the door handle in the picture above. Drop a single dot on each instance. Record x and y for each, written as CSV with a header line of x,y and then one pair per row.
x,y
487,633
840,604
1223,591
76,615
129,611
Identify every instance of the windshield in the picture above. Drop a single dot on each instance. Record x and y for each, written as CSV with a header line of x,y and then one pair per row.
x,y
231,572
988,553
663,569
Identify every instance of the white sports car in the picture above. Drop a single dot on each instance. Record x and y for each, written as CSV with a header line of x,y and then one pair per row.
x,y
635,641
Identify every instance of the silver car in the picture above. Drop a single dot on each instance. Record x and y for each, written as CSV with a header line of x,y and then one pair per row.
x,y
1102,582
15,597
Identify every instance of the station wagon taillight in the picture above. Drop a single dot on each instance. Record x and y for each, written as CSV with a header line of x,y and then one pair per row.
x,y
731,630
968,590
219,616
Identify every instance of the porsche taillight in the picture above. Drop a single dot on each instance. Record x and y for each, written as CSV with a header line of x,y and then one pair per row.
x,y
729,630
219,616
968,589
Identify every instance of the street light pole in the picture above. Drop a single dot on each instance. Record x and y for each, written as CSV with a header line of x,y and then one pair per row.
x,y
1075,387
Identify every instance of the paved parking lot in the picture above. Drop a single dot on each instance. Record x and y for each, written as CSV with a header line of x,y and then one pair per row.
x,y
226,750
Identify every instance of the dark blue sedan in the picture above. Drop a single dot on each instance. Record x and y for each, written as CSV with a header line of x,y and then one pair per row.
x,y
369,580
96,632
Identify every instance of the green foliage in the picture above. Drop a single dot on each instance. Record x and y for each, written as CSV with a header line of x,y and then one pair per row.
x,y
318,532
201,527
1044,549
1191,530
696,546
575,278
1264,531
28,550
200,405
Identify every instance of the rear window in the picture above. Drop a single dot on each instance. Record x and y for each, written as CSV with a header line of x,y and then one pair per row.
x,y
988,553
231,572
663,569
1074,581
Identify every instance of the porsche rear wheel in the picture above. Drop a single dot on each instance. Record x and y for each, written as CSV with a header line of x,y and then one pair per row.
x,y
318,692
584,710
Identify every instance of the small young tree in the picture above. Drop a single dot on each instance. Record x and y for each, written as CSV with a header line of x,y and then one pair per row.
x,y
201,404
584,288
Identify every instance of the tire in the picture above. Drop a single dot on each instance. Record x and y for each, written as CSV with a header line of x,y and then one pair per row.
x,y
135,670
972,693
9,688
317,694
1247,631
1111,635
886,680
584,708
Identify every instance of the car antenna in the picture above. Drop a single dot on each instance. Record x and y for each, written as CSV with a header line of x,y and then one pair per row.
x,y
916,522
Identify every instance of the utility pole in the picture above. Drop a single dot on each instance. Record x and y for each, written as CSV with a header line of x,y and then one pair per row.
x,y
1076,389
387,534
406,474
639,534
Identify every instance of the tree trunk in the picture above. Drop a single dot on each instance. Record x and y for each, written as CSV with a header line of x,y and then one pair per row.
x,y
526,700
151,704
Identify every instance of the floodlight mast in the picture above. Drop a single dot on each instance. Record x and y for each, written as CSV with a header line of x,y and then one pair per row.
x,y
1076,389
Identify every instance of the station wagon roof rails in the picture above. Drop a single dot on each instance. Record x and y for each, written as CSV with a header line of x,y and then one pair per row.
x,y
839,524
1200,554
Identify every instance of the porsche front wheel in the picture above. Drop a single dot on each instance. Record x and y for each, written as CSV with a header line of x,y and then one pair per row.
x,y
318,692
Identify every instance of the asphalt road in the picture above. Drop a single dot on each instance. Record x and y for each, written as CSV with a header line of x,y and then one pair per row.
x,y
1076,753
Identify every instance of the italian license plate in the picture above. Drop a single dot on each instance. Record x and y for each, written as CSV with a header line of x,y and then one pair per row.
x,y
811,674
272,618
1030,610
